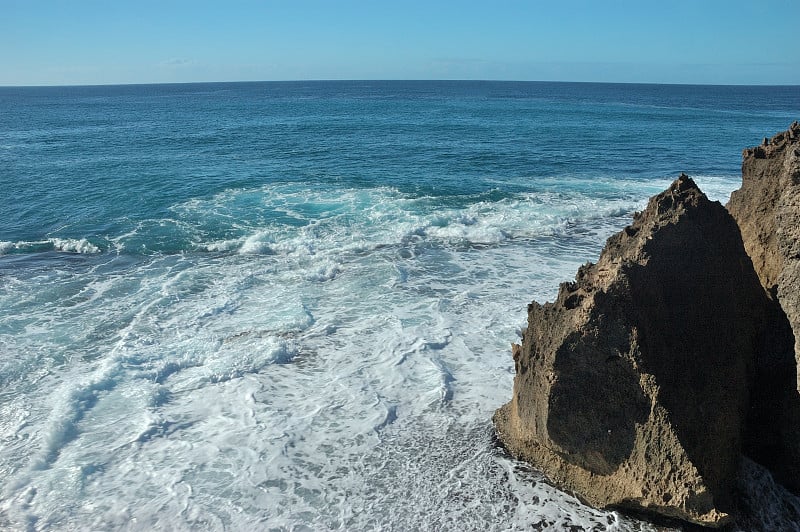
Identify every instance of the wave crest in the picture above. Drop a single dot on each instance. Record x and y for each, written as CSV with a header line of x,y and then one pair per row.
x,y
64,245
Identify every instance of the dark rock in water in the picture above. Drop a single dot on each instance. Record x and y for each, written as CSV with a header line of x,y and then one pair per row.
x,y
767,209
633,387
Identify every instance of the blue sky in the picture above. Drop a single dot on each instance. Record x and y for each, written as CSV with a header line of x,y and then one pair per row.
x,y
58,42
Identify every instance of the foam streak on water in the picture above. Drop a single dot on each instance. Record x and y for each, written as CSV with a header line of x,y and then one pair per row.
x,y
279,320
337,371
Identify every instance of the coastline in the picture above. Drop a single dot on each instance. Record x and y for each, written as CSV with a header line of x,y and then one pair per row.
x,y
650,377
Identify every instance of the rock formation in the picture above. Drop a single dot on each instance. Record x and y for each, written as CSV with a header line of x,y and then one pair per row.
x,y
629,382
767,210
766,206
651,375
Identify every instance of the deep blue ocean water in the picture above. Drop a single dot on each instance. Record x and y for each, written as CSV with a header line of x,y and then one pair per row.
x,y
289,305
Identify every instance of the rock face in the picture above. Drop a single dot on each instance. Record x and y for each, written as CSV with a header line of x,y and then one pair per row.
x,y
633,388
767,209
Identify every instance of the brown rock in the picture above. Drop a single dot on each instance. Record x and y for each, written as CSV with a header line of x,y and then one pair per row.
x,y
763,206
632,388
767,209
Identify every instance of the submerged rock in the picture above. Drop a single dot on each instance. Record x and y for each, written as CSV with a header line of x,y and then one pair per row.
x,y
633,389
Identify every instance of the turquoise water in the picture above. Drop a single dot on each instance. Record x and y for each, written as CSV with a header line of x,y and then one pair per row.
x,y
95,162
289,305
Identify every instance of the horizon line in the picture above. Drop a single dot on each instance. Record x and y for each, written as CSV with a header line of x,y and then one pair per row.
x,y
421,80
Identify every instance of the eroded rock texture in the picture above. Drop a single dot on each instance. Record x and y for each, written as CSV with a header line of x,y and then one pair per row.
x,y
633,387
767,209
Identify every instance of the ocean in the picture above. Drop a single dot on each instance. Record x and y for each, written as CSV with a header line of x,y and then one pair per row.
x,y
289,306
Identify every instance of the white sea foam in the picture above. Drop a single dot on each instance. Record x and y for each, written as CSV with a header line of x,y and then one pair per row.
x,y
68,245
222,245
74,246
326,271
337,222
717,188
338,372
258,243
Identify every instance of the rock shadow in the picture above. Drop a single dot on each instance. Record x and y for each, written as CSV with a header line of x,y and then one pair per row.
x,y
594,405
698,307
772,431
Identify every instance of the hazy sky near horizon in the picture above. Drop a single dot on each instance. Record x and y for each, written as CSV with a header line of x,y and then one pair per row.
x,y
62,42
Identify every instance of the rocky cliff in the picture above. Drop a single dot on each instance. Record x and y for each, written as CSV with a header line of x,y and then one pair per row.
x,y
766,206
767,210
646,380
